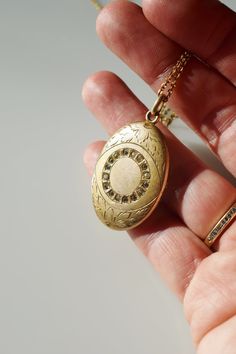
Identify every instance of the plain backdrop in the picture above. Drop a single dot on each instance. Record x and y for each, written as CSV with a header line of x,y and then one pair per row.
x,y
69,285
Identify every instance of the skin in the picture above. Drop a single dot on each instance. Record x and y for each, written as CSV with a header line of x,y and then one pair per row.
x,y
149,41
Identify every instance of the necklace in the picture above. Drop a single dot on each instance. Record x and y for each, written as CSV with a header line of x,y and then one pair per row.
x,y
97,4
132,171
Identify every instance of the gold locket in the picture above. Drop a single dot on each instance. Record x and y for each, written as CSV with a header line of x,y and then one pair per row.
x,y
130,175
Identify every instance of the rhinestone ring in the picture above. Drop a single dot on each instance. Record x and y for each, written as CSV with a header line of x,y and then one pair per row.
x,y
221,225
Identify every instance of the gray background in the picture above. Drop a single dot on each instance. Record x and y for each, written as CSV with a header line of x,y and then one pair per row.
x,y
68,284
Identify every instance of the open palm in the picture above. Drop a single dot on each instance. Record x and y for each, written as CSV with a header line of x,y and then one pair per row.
x,y
150,40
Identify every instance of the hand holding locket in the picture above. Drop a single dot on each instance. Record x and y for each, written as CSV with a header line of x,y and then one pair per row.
x,y
132,171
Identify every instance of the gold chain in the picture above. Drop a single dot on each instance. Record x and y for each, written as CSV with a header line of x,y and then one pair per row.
x,y
159,111
168,86
97,4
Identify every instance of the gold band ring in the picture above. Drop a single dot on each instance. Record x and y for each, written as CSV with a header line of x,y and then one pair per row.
x,y
221,225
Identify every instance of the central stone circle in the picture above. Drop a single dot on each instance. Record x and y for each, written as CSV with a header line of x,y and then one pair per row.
x,y
125,176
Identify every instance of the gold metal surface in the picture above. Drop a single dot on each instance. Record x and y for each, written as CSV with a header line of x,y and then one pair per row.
x,y
154,114
130,175
97,4
159,104
221,225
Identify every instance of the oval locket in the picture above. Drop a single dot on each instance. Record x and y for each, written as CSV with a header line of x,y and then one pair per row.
x,y
130,175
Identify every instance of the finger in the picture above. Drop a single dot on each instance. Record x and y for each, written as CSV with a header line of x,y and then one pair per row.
x,y
212,37
221,337
174,251
91,155
197,194
203,98
210,299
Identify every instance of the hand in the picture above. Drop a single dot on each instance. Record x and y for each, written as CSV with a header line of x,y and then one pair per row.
x,y
150,42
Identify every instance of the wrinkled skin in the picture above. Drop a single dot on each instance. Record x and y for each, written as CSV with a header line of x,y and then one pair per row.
x,y
149,41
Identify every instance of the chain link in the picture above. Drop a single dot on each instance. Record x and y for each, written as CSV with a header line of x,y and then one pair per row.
x,y
170,83
159,109
97,4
